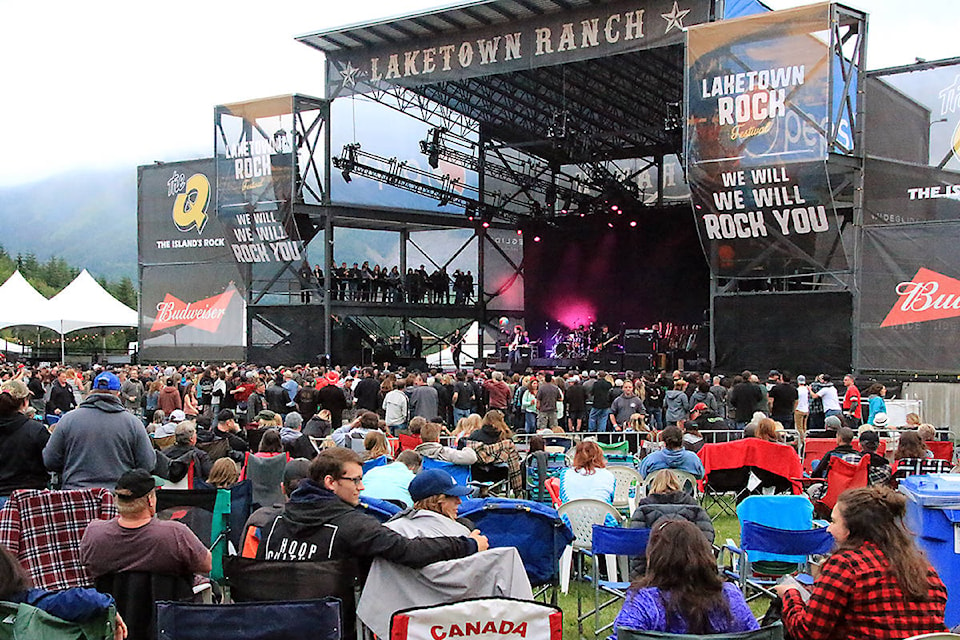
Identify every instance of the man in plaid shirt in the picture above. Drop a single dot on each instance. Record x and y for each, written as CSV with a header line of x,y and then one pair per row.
x,y
876,585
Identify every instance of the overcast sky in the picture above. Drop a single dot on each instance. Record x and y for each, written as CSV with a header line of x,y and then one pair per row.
x,y
109,84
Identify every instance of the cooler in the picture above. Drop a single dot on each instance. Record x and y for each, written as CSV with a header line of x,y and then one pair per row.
x,y
933,514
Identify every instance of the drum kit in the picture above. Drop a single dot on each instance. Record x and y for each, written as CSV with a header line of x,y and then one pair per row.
x,y
573,344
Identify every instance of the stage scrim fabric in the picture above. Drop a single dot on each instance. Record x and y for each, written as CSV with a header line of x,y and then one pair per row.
x,y
757,105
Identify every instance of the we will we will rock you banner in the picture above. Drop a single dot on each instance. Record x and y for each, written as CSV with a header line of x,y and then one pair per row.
x,y
757,108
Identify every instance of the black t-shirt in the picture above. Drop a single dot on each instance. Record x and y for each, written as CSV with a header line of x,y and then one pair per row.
x,y
367,394
744,398
601,394
783,396
464,391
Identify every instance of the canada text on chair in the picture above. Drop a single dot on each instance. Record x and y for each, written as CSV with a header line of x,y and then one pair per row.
x,y
485,617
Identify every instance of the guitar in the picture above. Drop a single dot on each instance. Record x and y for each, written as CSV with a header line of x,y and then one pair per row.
x,y
600,347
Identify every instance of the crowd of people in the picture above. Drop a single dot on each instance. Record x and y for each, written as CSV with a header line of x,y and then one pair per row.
x,y
122,429
366,283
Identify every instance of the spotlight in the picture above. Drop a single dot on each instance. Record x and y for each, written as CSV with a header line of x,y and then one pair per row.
x,y
614,208
536,238
485,224
633,223
610,224
519,232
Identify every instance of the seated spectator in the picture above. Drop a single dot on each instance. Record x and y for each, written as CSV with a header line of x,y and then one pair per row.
x,y
911,458
295,471
588,477
466,426
927,433
843,450
223,474
270,444
136,540
875,584
436,498
673,456
493,445
169,428
318,426
156,422
766,430
681,591
912,421
357,430
21,443
879,471
375,446
692,438
392,481
72,605
186,447
227,427
431,447
293,440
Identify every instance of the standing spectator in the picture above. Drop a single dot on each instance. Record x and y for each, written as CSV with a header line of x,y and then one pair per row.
x,y
291,387
205,391
575,401
802,411
61,395
132,392
719,392
169,399
333,399
367,392
600,394
498,392
624,406
424,399
256,401
743,399
852,411
548,397
677,404
21,442
99,441
528,404
828,395
875,396
783,400
653,399
396,407
463,400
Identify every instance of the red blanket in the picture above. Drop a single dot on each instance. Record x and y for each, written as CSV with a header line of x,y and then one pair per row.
x,y
776,458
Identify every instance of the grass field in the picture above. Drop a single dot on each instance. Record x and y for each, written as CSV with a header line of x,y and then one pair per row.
x,y
726,527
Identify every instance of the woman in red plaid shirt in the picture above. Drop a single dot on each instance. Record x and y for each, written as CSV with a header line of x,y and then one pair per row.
x,y
876,584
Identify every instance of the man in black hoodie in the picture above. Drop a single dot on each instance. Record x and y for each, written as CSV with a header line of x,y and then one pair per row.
x,y
321,523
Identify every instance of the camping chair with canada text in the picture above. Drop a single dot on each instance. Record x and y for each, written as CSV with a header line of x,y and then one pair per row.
x,y
481,617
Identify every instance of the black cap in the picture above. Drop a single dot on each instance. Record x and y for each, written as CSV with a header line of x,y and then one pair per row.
x,y
870,436
225,414
135,484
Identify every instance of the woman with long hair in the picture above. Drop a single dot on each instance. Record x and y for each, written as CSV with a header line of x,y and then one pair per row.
x,y
876,583
494,445
876,394
528,404
191,406
910,446
588,477
681,591
375,444
223,474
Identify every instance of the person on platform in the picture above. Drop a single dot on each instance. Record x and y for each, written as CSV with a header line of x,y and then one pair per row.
x,y
875,584
852,409
456,347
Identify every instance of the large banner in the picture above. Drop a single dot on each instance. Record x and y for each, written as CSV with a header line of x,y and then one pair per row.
x,y
920,112
503,270
910,301
757,97
582,33
191,312
176,214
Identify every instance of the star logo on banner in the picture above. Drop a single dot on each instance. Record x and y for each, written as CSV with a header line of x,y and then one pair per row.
x,y
349,75
674,18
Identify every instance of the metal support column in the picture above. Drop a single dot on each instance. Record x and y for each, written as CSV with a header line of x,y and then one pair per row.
x,y
481,244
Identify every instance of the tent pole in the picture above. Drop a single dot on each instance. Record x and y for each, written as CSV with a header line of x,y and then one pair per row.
x,y
63,356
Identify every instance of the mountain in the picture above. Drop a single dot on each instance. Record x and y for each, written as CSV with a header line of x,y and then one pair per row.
x,y
88,218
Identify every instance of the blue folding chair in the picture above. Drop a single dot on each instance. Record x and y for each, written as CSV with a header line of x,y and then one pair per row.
x,y
315,619
459,472
379,509
613,541
535,530
379,461
785,542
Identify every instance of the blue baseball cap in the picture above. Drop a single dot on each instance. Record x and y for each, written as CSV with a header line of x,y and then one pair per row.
x,y
436,482
108,381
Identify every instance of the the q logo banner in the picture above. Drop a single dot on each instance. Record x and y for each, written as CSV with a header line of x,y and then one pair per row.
x,y
192,200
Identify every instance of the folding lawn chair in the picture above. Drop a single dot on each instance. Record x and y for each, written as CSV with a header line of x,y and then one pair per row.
x,y
771,632
581,515
480,617
610,541
379,509
626,489
314,619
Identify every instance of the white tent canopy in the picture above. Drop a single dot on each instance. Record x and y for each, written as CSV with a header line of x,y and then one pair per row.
x,y
21,304
84,304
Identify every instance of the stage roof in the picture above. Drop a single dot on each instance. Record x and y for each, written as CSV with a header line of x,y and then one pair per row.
x,y
619,98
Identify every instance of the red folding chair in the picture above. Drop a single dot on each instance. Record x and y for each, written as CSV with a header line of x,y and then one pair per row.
x,y
942,450
842,476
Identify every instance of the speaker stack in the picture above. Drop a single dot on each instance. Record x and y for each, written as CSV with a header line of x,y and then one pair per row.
x,y
639,346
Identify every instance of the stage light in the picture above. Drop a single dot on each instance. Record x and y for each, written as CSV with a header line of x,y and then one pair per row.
x,y
610,224
633,223
519,232
485,224
536,238
563,212
614,208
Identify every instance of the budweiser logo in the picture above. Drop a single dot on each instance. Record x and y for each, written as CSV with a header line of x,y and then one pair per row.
x,y
203,314
928,296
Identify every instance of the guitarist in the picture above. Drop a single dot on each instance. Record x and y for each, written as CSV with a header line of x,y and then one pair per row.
x,y
520,339
603,339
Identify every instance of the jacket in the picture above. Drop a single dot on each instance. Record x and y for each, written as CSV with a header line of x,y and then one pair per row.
x,y
437,451
675,506
672,459
61,397
202,462
96,443
316,525
169,399
21,454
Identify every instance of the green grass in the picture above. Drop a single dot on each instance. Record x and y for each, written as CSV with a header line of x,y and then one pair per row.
x,y
726,527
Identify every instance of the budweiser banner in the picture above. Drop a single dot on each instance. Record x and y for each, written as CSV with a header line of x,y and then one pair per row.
x,y
191,312
581,33
757,95
176,214
910,298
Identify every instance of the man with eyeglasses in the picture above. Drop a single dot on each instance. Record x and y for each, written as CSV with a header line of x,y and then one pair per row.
x,y
321,522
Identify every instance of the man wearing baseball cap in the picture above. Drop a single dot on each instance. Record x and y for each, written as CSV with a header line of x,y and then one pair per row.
x,y
93,445
136,540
